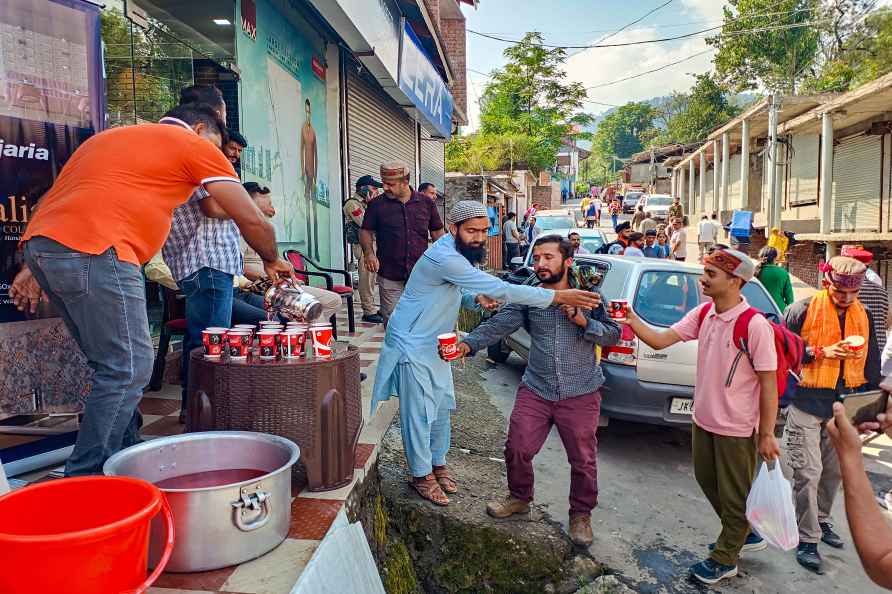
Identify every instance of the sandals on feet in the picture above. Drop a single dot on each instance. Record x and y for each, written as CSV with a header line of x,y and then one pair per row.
x,y
429,489
447,483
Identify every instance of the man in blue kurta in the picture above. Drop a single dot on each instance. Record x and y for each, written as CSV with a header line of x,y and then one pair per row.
x,y
444,279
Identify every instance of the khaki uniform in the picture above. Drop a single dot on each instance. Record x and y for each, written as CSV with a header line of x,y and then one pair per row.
x,y
354,210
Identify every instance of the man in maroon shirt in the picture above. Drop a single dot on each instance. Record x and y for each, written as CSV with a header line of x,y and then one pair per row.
x,y
401,222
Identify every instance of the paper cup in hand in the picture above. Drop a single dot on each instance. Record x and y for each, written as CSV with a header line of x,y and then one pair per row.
x,y
448,345
617,310
323,340
855,342
213,339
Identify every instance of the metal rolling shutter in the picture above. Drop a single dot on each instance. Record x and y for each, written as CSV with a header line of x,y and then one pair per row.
x,y
378,130
856,184
433,166
804,158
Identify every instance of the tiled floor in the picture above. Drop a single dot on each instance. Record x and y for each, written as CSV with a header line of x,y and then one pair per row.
x,y
312,513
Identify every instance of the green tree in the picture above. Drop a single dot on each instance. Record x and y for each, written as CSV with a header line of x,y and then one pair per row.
x,y
863,54
624,131
530,97
766,43
706,108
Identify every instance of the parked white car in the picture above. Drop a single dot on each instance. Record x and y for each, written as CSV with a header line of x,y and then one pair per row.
x,y
547,220
657,204
642,384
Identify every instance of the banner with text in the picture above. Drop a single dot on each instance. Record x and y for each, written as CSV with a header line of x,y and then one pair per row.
x,y
51,100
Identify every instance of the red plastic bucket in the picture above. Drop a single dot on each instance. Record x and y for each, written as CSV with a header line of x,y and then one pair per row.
x,y
86,534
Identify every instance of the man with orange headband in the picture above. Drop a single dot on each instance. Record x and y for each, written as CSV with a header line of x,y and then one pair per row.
x,y
735,402
832,367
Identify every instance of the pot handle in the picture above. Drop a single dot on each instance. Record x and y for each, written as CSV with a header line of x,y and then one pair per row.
x,y
168,548
259,499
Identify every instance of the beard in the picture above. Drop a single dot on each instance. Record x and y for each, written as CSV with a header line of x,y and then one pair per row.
x,y
550,277
473,254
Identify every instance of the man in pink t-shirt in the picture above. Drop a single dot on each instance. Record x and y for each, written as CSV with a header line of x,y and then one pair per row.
x,y
731,408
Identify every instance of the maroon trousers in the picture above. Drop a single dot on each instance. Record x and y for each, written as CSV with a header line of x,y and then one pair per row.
x,y
577,423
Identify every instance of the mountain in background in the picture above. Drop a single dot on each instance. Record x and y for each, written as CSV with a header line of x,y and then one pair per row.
x,y
740,100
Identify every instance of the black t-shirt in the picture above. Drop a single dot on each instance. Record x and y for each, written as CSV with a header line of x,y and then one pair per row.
x,y
819,401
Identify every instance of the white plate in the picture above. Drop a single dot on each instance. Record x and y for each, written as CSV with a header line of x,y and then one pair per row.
x,y
682,406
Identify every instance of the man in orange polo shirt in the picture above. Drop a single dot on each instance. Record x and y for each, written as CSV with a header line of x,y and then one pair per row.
x,y
108,212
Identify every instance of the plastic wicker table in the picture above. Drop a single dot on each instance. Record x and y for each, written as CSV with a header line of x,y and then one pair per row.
x,y
317,403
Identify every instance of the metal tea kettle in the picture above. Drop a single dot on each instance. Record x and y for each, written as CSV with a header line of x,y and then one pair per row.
x,y
287,299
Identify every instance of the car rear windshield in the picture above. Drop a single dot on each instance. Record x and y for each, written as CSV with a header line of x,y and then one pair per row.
x,y
664,297
546,223
659,201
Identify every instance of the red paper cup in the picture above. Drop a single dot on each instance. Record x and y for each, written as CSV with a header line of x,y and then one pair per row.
x,y
239,342
323,340
213,340
617,309
268,346
448,345
250,328
855,342
291,343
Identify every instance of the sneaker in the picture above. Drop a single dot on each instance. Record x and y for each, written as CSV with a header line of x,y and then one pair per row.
x,y
829,537
753,543
581,530
710,572
374,318
808,557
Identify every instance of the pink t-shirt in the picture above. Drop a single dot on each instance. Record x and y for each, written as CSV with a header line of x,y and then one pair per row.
x,y
732,411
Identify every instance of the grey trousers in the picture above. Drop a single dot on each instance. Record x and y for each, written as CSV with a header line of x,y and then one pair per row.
x,y
366,282
389,292
810,462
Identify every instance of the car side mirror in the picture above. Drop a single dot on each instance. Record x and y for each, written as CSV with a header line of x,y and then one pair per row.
x,y
517,261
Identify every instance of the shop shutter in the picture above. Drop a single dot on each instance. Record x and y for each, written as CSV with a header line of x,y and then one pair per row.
x,y
433,165
857,182
804,156
378,130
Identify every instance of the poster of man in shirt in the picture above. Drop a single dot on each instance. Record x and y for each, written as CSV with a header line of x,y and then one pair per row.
x,y
50,102
309,160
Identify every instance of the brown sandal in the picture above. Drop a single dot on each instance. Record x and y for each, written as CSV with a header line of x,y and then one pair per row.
x,y
429,489
447,483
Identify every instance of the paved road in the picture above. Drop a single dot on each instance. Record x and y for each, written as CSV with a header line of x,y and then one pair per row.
x,y
653,522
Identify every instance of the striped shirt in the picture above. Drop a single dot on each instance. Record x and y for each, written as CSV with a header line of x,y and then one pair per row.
x,y
562,361
876,299
197,242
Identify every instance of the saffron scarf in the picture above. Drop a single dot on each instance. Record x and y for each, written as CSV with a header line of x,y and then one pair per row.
x,y
821,328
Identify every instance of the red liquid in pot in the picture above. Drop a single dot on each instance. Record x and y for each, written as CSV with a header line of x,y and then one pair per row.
x,y
210,478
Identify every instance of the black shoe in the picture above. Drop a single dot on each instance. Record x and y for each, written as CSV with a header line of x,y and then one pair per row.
x,y
374,318
808,557
830,537
362,376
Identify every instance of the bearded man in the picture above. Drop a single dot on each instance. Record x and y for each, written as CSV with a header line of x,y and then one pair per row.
x,y
442,280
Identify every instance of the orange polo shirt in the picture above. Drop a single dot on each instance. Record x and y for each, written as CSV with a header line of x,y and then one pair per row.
x,y
120,188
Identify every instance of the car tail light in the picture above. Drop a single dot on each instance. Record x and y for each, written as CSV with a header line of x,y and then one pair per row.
x,y
624,351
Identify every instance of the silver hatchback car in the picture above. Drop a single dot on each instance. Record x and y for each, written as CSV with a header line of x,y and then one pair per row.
x,y
642,384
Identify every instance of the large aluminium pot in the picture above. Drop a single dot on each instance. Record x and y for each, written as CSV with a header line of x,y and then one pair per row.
x,y
216,526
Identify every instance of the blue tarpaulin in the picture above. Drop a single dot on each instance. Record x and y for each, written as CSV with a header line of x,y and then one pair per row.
x,y
741,225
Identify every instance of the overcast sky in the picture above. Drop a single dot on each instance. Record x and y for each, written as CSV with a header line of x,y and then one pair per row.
x,y
585,22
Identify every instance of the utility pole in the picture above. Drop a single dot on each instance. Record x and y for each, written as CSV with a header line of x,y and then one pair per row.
x,y
773,214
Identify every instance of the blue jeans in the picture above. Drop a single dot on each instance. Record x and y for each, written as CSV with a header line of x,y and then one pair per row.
x,y
247,307
615,220
208,304
102,301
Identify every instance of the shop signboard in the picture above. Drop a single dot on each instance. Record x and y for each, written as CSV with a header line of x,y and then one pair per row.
x,y
372,24
283,115
421,82
51,100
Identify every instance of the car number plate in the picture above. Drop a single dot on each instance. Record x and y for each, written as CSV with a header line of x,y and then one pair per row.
x,y
682,406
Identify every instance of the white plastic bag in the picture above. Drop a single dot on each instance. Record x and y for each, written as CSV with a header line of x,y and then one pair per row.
x,y
770,510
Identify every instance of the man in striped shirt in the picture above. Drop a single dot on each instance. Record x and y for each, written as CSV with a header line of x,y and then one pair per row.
x,y
873,295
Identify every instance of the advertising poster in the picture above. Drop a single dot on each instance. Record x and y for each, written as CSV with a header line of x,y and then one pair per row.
x,y
283,117
51,100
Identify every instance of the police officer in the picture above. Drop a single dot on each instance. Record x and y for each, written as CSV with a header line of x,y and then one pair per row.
x,y
367,188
